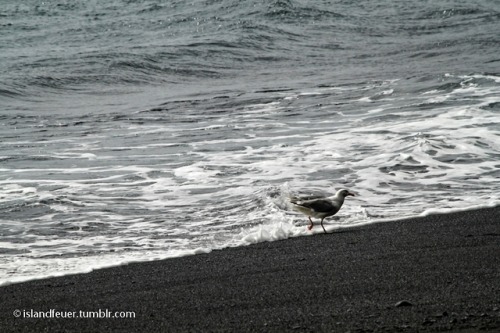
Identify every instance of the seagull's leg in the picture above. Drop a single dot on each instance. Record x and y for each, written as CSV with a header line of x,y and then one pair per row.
x,y
323,226
310,226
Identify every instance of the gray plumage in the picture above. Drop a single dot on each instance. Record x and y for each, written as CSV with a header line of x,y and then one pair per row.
x,y
320,207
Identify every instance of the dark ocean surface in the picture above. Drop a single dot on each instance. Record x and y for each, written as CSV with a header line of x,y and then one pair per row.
x,y
139,130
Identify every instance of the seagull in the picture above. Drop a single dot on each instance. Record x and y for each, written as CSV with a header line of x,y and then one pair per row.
x,y
320,207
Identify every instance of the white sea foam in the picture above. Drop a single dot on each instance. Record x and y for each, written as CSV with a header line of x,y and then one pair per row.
x,y
154,189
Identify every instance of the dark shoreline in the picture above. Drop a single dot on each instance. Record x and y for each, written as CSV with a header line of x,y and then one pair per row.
x,y
436,273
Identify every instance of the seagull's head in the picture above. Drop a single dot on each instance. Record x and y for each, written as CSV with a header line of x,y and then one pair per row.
x,y
344,193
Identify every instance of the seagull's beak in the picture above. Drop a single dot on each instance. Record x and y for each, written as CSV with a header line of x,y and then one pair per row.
x,y
350,194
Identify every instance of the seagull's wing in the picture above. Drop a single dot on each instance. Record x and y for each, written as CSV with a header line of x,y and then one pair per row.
x,y
319,205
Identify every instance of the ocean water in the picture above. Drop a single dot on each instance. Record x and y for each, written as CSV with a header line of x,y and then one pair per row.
x,y
140,130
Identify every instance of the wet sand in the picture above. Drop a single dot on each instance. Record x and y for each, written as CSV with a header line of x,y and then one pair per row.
x,y
436,273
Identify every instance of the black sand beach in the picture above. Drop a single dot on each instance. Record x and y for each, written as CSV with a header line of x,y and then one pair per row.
x,y
438,273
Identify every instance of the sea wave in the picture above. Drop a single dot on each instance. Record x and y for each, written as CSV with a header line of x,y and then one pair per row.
x,y
136,130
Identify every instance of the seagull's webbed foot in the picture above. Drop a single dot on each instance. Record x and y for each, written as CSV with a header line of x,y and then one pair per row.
x,y
310,226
